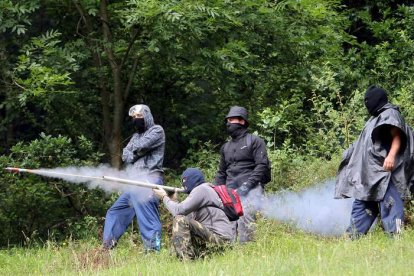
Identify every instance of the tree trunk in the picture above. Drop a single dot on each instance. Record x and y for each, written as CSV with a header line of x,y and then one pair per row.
x,y
115,148
113,104
118,108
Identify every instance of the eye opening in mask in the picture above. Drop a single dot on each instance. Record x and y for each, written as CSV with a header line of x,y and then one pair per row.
x,y
235,120
137,116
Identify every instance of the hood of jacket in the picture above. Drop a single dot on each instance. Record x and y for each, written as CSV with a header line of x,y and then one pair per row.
x,y
146,113
191,178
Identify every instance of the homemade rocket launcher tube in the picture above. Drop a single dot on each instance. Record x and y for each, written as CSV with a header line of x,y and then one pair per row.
x,y
142,184
105,178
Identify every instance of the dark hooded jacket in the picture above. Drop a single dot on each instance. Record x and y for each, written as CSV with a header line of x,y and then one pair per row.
x,y
146,150
243,158
361,174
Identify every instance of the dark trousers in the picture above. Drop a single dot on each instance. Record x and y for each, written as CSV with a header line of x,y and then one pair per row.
x,y
364,213
245,226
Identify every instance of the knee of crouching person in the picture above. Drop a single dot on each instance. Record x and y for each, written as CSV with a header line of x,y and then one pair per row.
x,y
179,218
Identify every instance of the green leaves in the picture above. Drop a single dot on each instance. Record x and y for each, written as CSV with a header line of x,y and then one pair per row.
x,y
14,15
32,207
45,65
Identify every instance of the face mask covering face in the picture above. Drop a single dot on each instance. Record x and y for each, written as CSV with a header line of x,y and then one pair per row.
x,y
139,124
375,98
234,129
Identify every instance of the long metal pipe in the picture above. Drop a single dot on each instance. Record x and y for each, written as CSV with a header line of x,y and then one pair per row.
x,y
104,178
142,184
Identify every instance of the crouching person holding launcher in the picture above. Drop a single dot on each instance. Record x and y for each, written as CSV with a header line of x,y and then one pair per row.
x,y
199,221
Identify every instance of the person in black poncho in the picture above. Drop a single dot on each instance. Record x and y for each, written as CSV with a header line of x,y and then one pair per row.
x,y
377,169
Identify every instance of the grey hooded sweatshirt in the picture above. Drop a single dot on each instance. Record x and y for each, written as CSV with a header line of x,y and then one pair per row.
x,y
146,150
205,206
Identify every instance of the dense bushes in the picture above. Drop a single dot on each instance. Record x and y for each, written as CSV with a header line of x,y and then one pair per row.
x,y
34,208
300,67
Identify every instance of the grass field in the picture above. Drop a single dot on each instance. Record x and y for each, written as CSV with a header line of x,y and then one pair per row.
x,y
279,250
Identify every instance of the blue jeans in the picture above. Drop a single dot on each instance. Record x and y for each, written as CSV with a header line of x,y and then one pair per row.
x,y
120,215
364,213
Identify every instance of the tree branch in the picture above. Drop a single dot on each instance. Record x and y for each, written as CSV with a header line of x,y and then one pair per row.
x,y
131,43
84,16
107,33
131,78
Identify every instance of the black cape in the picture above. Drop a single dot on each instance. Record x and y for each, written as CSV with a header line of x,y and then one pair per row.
x,y
361,174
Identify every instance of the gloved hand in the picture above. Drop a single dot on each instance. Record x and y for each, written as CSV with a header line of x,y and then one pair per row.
x,y
244,189
160,193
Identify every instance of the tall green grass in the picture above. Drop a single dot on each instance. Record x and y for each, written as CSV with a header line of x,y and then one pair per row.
x,y
279,250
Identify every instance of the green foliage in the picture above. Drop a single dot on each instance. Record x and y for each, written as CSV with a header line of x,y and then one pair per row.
x,y
14,15
300,68
206,157
251,53
46,67
335,124
282,123
84,228
33,208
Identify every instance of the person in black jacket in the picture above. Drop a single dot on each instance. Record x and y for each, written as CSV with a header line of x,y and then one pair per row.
x,y
243,166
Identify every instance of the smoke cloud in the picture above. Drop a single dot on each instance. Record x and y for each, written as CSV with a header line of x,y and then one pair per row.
x,y
313,210
92,177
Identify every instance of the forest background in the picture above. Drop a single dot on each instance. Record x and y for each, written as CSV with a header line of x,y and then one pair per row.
x,y
70,70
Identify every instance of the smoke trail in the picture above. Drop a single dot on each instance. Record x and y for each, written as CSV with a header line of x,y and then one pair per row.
x,y
80,174
313,210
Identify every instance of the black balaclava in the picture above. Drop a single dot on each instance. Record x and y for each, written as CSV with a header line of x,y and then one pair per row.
x,y
375,98
191,178
235,130
139,124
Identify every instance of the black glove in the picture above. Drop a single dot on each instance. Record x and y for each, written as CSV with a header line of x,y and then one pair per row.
x,y
244,189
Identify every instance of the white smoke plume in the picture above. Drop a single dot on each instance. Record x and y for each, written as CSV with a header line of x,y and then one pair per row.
x,y
313,210
92,177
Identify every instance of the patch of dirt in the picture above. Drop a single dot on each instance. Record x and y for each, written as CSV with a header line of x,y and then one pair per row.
x,y
96,258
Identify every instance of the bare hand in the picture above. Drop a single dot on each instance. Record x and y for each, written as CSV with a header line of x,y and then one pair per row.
x,y
159,192
389,163
174,196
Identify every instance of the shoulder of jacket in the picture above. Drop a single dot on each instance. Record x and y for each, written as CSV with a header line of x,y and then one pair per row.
x,y
205,186
256,138
225,144
202,191
156,128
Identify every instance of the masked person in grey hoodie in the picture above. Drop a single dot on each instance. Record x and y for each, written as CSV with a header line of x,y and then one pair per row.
x,y
245,167
377,169
200,223
145,152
